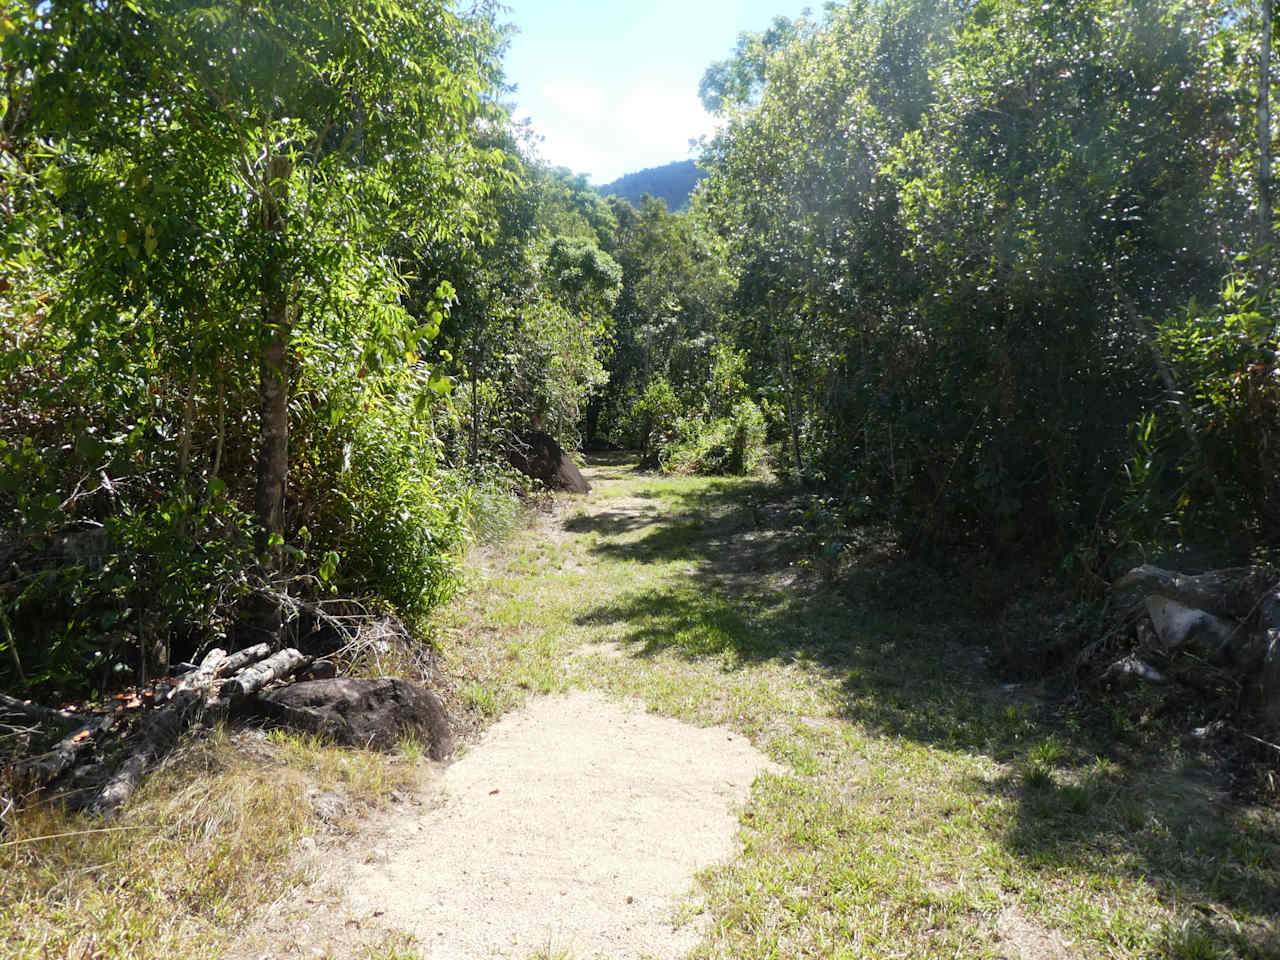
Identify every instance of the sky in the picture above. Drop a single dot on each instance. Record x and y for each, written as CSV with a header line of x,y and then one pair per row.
x,y
611,86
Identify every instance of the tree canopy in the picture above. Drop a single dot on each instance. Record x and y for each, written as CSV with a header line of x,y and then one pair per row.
x,y
282,286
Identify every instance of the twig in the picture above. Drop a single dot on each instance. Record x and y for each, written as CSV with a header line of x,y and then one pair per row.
x,y
1265,743
12,644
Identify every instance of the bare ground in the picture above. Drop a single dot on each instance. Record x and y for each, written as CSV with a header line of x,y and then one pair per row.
x,y
575,826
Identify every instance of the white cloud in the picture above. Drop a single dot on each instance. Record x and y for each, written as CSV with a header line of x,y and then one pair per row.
x,y
603,134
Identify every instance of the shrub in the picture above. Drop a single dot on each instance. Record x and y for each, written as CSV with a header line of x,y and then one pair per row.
x,y
1205,468
729,445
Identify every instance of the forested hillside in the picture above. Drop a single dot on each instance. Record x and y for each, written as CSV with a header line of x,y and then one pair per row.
x,y
282,289
672,183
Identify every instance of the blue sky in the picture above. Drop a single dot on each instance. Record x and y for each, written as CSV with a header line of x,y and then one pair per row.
x,y
612,87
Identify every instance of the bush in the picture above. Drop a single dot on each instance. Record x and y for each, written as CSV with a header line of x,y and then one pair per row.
x,y
1205,474
654,422
732,445
372,500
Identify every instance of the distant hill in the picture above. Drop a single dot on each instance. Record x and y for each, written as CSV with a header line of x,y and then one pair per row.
x,y
673,183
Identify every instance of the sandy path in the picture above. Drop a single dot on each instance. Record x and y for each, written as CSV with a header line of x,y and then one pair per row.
x,y
572,828
575,825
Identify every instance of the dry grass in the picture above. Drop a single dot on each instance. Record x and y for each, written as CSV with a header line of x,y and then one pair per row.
x,y
208,838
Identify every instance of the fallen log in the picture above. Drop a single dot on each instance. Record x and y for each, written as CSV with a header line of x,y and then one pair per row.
x,y
158,732
278,666
249,671
1218,631
1133,668
242,658
1236,592
13,709
48,766
1179,626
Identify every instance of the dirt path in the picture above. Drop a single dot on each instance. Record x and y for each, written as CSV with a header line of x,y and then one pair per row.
x,y
574,827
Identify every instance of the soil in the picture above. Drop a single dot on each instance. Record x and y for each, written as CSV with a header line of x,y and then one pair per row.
x,y
573,827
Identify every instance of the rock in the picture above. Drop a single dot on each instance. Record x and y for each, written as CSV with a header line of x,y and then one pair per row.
x,y
329,807
359,712
537,455
1179,626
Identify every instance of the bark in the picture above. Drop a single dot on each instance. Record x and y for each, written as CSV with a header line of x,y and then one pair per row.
x,y
273,378
158,732
278,666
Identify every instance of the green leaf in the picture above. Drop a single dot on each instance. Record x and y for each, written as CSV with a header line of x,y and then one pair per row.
x,y
440,384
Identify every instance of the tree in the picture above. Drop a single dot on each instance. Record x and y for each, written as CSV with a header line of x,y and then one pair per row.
x,y
233,182
666,320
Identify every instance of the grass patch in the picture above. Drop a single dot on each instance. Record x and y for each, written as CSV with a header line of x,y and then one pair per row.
x,y
207,839
926,811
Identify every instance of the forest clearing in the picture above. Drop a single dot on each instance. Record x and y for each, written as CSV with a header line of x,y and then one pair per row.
x,y
914,806
953,375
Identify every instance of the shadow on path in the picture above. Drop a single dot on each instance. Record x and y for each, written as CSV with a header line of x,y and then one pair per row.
x,y
908,646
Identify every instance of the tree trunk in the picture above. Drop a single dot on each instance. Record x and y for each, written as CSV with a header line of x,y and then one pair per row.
x,y
789,390
474,453
220,441
273,377
1264,151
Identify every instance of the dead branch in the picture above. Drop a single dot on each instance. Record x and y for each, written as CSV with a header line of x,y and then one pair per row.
x,y
241,659
46,767
278,666
158,732
13,708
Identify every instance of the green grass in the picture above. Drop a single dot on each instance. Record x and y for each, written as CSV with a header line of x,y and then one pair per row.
x,y
924,812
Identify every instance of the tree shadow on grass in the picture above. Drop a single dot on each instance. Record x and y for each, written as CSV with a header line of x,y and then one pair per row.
x,y
908,647
612,465
1218,863
612,522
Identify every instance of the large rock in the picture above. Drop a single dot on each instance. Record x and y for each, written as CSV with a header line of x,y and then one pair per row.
x,y
538,455
1179,626
375,713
